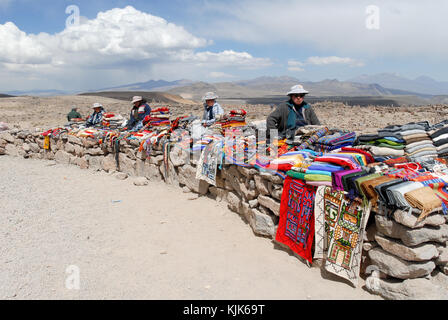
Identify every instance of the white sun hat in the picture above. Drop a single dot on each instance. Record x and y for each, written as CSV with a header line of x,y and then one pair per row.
x,y
297,89
210,96
97,105
136,99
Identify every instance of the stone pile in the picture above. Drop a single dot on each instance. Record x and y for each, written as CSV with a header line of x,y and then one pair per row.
x,y
410,258
406,253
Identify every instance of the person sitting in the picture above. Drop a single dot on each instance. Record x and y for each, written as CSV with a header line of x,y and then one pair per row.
x,y
212,109
74,114
291,114
139,111
97,115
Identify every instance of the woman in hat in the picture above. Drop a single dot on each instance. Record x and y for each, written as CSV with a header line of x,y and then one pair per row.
x,y
139,111
97,115
292,114
212,109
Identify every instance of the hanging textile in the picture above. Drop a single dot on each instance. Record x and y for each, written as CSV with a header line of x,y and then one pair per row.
x,y
296,225
340,225
211,156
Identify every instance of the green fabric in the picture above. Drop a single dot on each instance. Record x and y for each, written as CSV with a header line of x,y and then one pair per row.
x,y
363,179
317,177
399,146
295,174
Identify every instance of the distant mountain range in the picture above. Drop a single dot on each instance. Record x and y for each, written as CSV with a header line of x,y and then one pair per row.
x,y
422,85
421,90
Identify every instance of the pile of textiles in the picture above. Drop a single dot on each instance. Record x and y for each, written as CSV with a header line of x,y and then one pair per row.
x,y
439,136
235,118
334,141
418,143
387,142
159,117
112,120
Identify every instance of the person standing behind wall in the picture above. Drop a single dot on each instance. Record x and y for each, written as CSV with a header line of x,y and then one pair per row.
x,y
292,114
74,114
212,109
139,111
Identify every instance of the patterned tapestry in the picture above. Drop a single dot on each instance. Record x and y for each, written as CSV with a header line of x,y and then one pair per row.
x,y
296,225
208,162
340,225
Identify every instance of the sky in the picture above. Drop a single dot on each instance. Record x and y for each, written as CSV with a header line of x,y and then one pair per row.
x,y
88,45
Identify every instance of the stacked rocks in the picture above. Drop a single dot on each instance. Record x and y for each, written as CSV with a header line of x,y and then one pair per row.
x,y
404,251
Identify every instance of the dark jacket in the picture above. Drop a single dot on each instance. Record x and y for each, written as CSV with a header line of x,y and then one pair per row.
x,y
73,115
143,111
283,118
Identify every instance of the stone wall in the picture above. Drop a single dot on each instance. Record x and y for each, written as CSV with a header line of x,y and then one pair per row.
x,y
407,259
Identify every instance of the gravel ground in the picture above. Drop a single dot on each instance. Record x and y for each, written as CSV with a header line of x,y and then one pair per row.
x,y
154,244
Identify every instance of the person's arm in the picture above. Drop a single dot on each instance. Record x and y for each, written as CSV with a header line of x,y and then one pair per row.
x,y
273,119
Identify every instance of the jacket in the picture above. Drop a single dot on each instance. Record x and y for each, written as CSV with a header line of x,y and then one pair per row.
x,y
73,115
283,118
143,111
217,110
95,118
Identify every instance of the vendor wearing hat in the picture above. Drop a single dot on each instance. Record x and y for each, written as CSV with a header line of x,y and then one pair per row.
x,y
139,111
292,114
212,109
97,115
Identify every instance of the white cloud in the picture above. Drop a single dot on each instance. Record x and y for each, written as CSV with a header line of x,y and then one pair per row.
x,y
334,60
294,65
116,39
218,74
407,28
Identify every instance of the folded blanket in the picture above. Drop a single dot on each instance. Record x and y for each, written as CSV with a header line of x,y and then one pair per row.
x,y
368,187
410,132
381,151
424,199
396,193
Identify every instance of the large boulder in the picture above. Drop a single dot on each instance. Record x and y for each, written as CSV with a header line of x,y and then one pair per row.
x,y
179,156
152,172
220,194
7,137
187,176
410,219
261,224
74,140
34,147
62,157
397,267
233,201
410,289
422,252
270,203
108,163
89,142
411,237
262,185
95,151
95,162
127,165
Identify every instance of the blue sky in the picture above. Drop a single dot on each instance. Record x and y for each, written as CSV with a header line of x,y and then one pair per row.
x,y
119,42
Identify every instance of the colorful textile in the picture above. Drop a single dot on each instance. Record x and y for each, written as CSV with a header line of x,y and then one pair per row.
x,y
296,224
340,225
208,163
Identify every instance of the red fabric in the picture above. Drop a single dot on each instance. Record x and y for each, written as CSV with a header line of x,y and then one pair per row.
x,y
369,157
339,161
240,112
280,167
296,224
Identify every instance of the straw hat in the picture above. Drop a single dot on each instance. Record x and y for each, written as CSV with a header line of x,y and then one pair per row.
x,y
136,99
210,96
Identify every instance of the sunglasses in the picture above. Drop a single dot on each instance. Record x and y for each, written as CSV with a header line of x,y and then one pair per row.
x,y
298,95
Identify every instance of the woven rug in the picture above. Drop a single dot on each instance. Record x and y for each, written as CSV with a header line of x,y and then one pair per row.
x,y
340,225
296,224
208,162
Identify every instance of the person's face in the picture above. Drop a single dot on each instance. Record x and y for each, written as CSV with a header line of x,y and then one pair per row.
x,y
297,98
136,104
97,110
210,102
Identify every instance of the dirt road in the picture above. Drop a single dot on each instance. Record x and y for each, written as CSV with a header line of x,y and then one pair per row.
x,y
130,242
